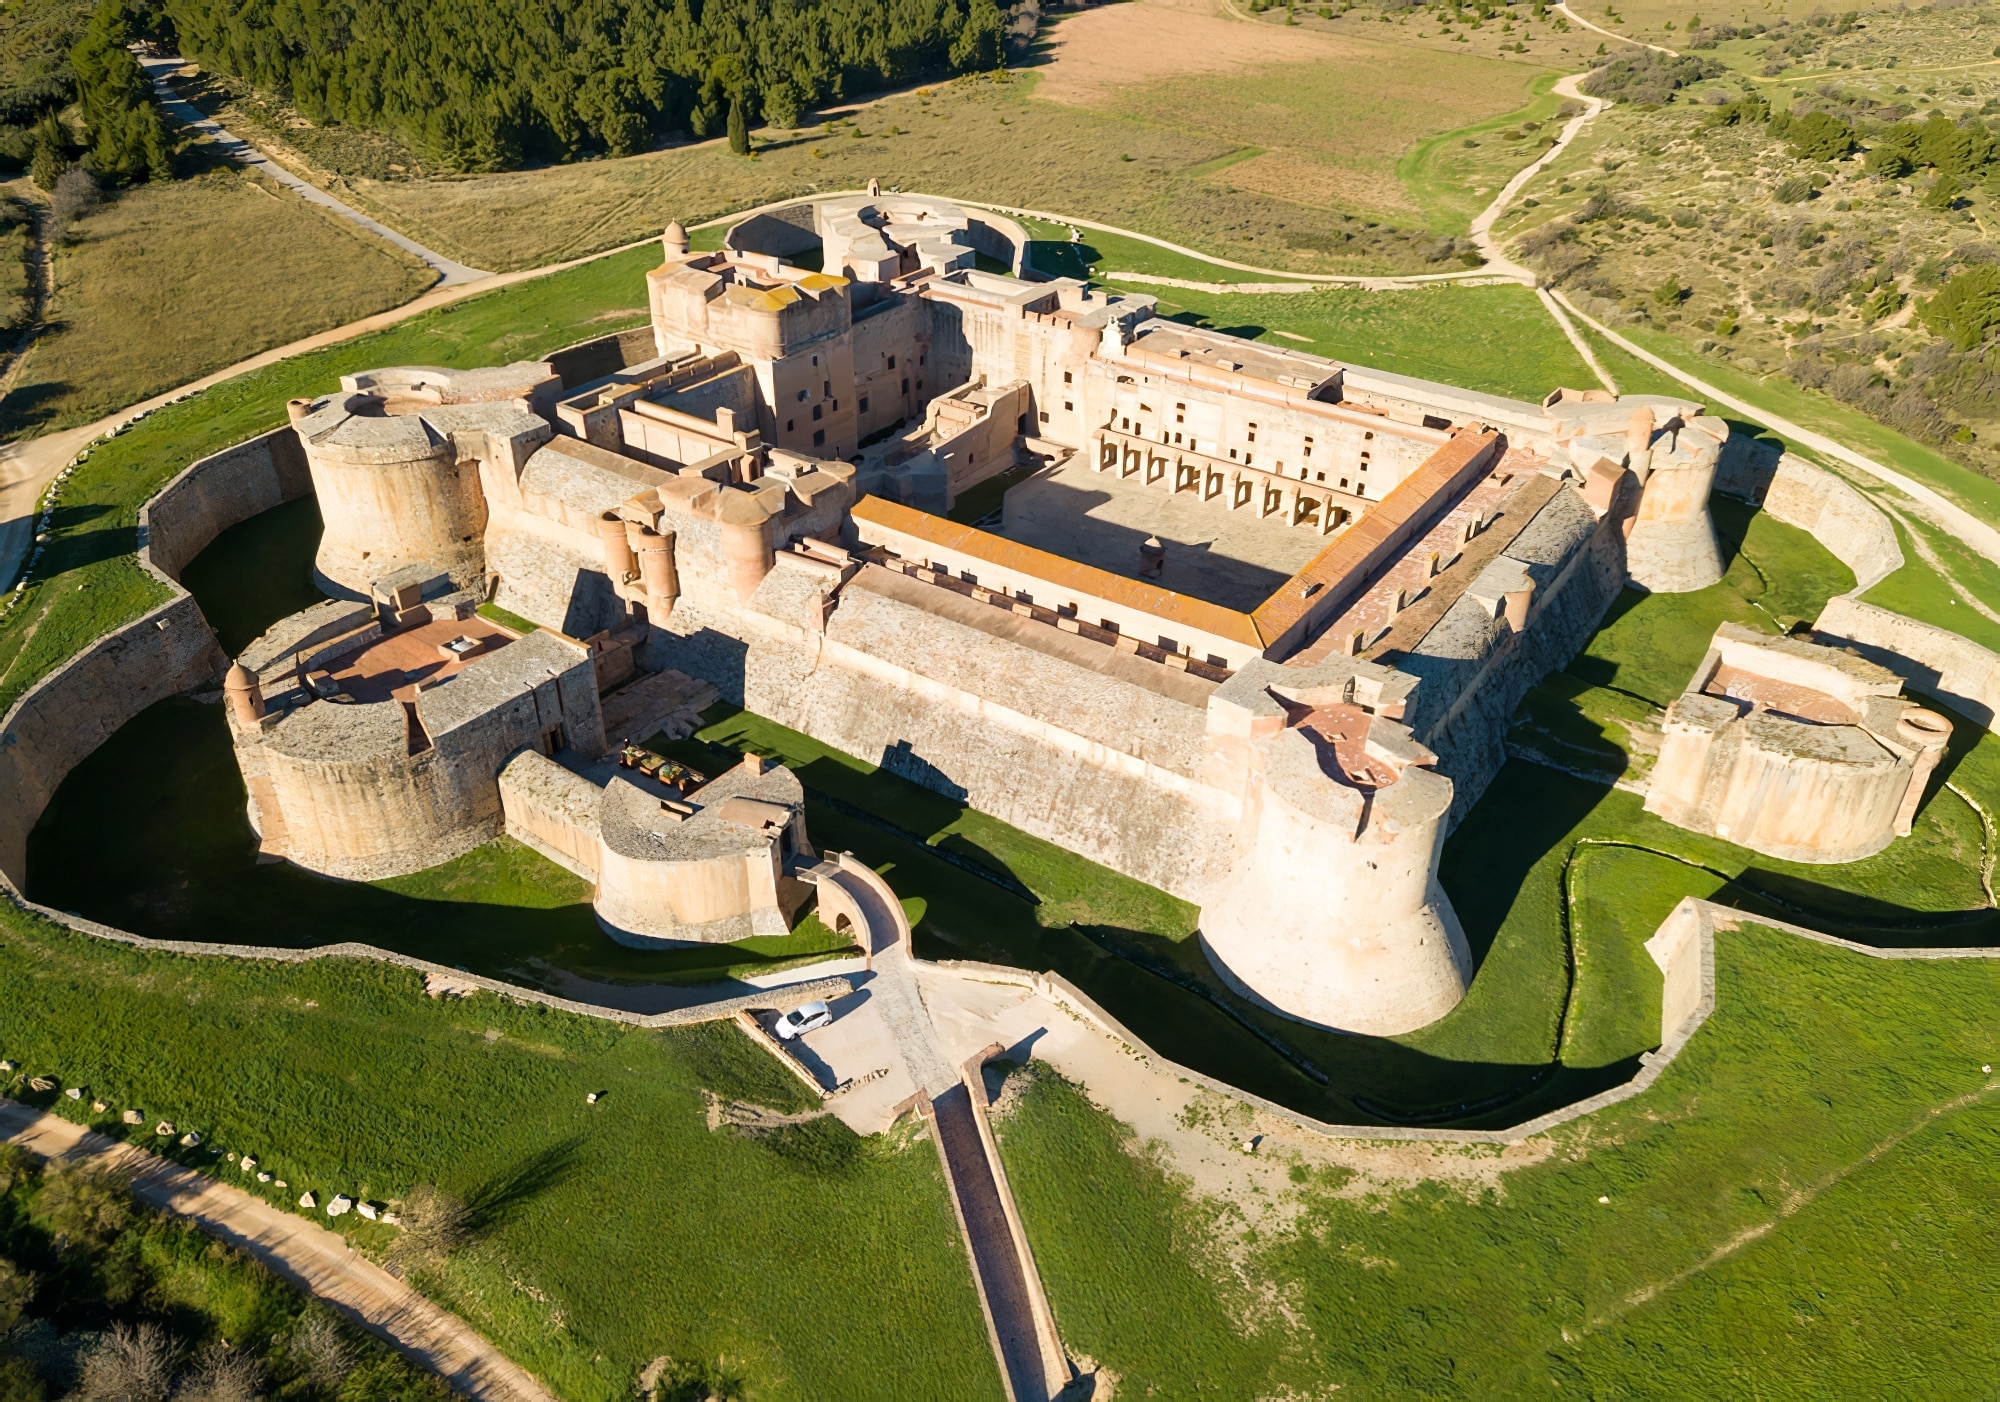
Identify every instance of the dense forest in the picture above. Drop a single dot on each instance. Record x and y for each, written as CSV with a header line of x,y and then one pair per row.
x,y
489,84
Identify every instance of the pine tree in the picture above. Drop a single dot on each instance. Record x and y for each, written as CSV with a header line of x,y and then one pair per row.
x,y
739,130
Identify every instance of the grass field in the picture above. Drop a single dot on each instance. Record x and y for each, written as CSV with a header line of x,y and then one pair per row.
x,y
89,581
1283,152
606,1235
1794,1210
168,282
1496,339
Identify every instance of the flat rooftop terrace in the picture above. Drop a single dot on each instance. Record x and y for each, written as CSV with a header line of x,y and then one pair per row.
x,y
1234,559
394,666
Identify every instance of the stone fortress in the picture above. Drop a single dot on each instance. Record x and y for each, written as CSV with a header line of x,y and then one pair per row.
x,y
1241,622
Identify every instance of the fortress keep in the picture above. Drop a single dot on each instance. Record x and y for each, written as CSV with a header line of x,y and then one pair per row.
x,y
1238,621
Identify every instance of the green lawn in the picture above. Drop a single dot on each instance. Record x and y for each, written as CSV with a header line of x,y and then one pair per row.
x,y
1920,590
1497,338
1797,1209
606,1235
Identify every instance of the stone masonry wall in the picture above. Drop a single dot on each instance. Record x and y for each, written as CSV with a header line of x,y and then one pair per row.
x,y
171,650
1929,658
1852,528
219,492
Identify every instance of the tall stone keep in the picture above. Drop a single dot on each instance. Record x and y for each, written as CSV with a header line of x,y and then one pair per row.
x,y
1672,548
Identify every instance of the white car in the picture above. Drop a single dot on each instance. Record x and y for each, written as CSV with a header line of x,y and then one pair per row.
x,y
808,1017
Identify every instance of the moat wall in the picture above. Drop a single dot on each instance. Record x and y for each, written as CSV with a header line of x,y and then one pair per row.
x,y
169,650
1852,528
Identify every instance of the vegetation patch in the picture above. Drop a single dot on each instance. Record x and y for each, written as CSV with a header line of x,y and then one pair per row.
x,y
597,1236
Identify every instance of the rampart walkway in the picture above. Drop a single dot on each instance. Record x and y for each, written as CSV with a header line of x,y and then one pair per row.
x,y
301,1252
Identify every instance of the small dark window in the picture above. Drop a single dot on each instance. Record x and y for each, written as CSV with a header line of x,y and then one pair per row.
x,y
836,406
819,437
802,396
826,389
788,425
864,404
1215,661
816,409
921,359
1108,625
1067,378
892,362
815,360
1369,434
906,384
1068,405
1433,421
1045,416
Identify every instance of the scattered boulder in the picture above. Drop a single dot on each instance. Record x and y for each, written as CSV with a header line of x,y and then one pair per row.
x,y
9,1066
190,1139
307,1200
339,1206
164,1129
368,1209
73,1093
134,1117
249,1164
41,1083
394,1219
591,1098
232,1156
98,1107
281,1183
263,1177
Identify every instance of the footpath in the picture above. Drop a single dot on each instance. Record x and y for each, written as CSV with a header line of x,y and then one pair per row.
x,y
306,1255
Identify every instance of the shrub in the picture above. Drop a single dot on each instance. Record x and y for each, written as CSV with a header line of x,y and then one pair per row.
x,y
1967,309
1670,293
433,1226
1820,136
1648,76
75,195
129,1365
1793,190
1944,192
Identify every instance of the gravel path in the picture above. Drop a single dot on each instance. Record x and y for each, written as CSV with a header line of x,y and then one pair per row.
x,y
308,1256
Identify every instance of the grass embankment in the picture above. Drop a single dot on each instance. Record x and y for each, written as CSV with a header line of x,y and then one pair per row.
x,y
604,1235
89,580
77,1258
167,282
1796,1209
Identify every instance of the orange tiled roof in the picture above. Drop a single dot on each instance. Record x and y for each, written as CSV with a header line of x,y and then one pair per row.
x,y
1148,599
1369,541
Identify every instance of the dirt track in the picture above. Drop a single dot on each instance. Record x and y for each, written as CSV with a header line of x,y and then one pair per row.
x,y
308,1256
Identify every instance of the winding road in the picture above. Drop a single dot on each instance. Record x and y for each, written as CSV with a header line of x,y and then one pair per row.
x,y
300,1252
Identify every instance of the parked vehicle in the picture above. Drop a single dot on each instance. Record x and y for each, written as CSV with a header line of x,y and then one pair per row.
x,y
808,1017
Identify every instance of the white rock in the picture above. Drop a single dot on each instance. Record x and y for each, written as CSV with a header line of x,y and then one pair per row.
x,y
9,1066
591,1098
248,1163
1604,1199
98,1107
338,1207
281,1183
232,1156
41,1083
165,1129
263,1177
367,1209
134,1117
394,1219
307,1200
73,1093
190,1139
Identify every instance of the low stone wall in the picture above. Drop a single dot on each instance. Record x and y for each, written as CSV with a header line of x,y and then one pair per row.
x,y
1683,948
218,492
441,979
552,810
1929,658
1857,532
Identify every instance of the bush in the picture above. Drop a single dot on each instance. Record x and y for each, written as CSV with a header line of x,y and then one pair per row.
x,y
1793,190
1967,309
1944,193
129,1365
1820,136
1648,76
75,195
